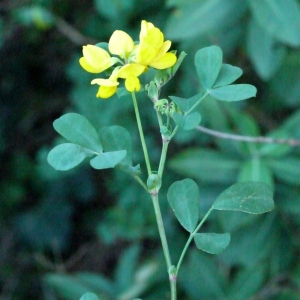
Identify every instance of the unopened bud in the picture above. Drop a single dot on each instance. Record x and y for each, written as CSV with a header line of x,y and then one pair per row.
x,y
153,183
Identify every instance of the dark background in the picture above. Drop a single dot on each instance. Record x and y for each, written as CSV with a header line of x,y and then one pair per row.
x,y
65,233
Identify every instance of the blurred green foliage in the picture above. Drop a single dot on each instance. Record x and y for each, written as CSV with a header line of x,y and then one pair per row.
x,y
63,234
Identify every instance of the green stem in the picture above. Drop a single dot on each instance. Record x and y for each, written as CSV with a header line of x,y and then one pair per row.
x,y
138,119
139,180
174,132
196,104
163,158
190,239
173,288
168,121
161,230
159,118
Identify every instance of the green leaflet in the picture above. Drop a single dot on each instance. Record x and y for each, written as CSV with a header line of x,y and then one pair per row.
x,y
264,51
248,197
187,122
67,156
89,296
281,18
183,197
186,104
228,74
78,130
213,243
234,92
208,63
108,159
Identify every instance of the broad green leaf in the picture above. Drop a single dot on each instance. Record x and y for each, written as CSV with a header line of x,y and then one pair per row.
x,y
184,199
187,104
178,2
248,197
97,283
116,138
286,82
256,169
292,124
195,18
276,149
67,156
265,52
264,242
206,165
89,296
234,92
246,125
206,285
281,18
78,130
213,243
208,62
67,286
108,159
117,9
249,282
187,122
286,169
228,74
126,268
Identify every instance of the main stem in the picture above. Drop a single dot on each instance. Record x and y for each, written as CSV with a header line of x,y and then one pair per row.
x,y
154,197
161,230
138,119
164,243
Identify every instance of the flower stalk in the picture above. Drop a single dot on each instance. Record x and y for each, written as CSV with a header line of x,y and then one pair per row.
x,y
141,132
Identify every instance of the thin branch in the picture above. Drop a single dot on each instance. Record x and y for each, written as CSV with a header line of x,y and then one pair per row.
x,y
71,33
249,139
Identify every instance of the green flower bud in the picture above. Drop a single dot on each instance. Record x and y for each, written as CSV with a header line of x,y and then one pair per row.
x,y
172,273
152,91
172,270
165,131
154,183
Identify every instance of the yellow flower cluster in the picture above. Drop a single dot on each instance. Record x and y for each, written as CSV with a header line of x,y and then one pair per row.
x,y
130,60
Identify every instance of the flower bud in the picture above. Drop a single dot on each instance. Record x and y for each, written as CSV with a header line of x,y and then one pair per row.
x,y
153,183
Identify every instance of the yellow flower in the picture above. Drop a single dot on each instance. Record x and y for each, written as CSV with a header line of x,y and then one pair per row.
x,y
153,50
133,60
95,59
132,69
132,84
120,43
130,73
107,87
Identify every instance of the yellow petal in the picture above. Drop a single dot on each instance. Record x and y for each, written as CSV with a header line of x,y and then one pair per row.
x,y
132,84
131,70
120,42
95,59
94,54
105,82
166,61
145,27
155,37
146,53
86,66
163,49
105,92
